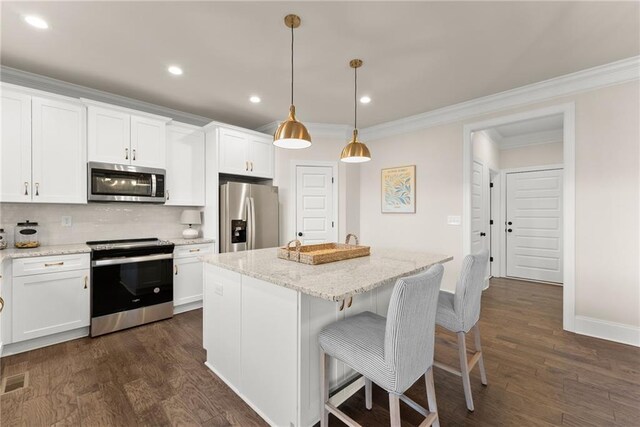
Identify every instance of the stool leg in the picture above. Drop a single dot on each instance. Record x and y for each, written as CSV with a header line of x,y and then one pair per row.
x,y
476,336
394,409
431,396
368,392
324,389
464,370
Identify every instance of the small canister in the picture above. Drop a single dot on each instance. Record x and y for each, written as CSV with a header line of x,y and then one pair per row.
x,y
3,239
26,235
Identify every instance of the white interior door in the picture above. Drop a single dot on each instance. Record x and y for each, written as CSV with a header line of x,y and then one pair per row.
x,y
479,208
314,205
534,225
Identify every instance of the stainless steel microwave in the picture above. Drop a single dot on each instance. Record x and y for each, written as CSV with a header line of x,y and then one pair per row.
x,y
109,182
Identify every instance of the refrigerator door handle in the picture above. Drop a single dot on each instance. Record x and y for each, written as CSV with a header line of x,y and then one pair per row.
x,y
249,223
253,223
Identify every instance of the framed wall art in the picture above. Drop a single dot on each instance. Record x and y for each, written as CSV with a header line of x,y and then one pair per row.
x,y
399,190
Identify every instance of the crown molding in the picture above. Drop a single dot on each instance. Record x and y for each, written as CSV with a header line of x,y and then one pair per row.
x,y
593,78
51,85
323,130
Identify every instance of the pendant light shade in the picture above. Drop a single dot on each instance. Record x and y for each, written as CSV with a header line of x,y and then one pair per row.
x,y
355,151
291,133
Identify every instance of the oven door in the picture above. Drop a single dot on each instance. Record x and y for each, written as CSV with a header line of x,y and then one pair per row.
x,y
122,284
123,183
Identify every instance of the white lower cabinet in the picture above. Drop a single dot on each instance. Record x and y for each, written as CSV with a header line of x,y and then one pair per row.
x,y
50,303
187,276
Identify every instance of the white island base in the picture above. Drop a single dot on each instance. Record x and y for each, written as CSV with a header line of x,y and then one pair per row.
x,y
261,336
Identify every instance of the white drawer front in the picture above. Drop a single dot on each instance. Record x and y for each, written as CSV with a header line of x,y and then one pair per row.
x,y
192,250
49,264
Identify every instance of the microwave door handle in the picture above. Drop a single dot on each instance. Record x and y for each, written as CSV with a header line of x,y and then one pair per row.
x,y
253,223
153,185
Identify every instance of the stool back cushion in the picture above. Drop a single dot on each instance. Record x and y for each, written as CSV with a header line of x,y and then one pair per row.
x,y
466,303
410,328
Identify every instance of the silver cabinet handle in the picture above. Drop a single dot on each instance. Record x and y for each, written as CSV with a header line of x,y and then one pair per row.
x,y
37,189
26,188
194,250
126,154
341,306
1,304
134,154
350,302
251,166
246,166
176,268
168,195
53,264
86,280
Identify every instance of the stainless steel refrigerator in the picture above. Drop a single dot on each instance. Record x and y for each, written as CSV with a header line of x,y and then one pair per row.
x,y
248,217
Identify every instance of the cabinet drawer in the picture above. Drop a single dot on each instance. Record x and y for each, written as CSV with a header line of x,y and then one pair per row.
x,y
49,264
192,250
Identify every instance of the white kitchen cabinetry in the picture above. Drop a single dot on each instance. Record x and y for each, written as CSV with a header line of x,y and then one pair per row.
x,y
43,150
185,166
52,302
244,153
188,279
120,136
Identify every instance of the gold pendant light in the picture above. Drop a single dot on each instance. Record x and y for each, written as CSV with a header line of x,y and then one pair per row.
x,y
291,133
355,151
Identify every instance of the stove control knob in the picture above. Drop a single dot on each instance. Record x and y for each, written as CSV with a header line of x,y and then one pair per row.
x,y
156,290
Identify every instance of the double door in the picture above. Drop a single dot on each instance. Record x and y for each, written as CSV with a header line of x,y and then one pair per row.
x,y
42,150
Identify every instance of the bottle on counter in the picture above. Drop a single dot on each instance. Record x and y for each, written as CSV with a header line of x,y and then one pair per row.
x,y
26,235
3,239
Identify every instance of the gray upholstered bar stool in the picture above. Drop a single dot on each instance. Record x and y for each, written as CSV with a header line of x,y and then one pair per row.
x,y
392,352
460,313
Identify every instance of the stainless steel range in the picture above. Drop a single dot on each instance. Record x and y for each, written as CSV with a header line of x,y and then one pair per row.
x,y
131,283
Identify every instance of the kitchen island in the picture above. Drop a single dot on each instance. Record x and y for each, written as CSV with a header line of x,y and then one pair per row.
x,y
262,316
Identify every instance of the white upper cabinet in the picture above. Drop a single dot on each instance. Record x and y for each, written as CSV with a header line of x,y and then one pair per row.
x,y
43,150
120,136
261,156
15,147
109,136
59,152
148,142
244,153
185,166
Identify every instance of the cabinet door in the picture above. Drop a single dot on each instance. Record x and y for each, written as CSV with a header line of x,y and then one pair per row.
x,y
59,156
148,142
15,147
109,136
185,167
187,281
221,327
46,304
261,156
234,152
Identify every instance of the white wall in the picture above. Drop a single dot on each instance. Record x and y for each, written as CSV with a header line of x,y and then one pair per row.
x,y
485,150
531,155
607,198
94,221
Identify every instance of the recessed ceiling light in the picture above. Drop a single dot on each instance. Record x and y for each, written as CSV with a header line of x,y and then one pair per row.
x,y
365,100
175,70
255,99
36,21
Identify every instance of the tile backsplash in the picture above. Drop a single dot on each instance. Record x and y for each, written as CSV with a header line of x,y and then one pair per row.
x,y
94,221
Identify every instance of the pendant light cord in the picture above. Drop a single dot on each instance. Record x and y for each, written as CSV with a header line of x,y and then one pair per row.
x,y
355,99
291,64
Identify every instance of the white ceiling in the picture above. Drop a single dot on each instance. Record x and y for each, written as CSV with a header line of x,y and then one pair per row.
x,y
542,130
417,56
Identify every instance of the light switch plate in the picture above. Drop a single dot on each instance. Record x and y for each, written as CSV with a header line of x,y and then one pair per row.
x,y
66,221
454,220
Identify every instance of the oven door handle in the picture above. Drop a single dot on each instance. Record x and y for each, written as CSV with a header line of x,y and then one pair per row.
x,y
130,260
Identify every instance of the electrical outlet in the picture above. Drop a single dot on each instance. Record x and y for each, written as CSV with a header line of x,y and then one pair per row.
x,y
66,221
454,220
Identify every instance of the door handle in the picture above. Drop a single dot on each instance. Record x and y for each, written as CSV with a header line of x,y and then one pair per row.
x,y
300,233
509,230
482,234
509,223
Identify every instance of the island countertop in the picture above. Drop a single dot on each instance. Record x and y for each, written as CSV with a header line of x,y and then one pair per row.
x,y
332,281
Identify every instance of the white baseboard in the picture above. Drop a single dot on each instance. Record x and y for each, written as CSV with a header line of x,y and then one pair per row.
x,y
22,346
187,307
612,331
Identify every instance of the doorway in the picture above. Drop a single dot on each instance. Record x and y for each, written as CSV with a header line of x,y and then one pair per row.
x,y
539,247
315,203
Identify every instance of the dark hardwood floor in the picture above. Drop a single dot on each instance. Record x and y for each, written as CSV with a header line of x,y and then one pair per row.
x,y
154,375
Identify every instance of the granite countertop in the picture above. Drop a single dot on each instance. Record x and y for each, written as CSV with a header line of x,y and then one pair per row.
x,y
11,253
333,281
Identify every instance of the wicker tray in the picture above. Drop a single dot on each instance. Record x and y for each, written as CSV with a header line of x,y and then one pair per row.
x,y
323,253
